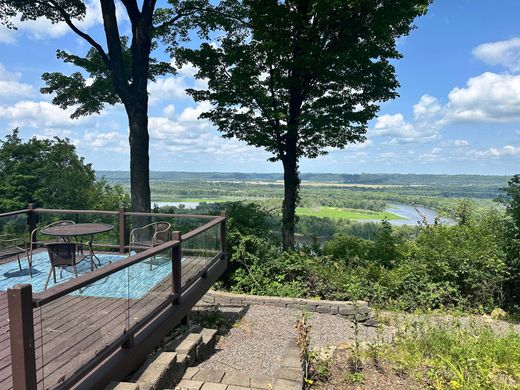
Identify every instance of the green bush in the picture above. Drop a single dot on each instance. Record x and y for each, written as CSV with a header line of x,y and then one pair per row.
x,y
469,266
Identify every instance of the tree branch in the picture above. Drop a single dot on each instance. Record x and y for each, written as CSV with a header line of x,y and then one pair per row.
x,y
193,10
148,8
132,9
67,19
115,51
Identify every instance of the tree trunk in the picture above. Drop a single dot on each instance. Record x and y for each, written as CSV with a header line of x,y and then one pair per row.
x,y
139,159
291,188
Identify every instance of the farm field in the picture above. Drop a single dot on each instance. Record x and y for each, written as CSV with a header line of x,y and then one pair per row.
x,y
340,213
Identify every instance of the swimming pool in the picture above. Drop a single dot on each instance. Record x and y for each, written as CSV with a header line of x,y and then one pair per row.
x,y
133,282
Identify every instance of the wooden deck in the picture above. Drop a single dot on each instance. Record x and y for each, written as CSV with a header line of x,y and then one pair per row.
x,y
73,329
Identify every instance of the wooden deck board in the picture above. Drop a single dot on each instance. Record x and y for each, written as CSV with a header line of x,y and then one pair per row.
x,y
74,329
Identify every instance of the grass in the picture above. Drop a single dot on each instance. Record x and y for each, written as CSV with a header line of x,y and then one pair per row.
x,y
451,356
339,213
428,352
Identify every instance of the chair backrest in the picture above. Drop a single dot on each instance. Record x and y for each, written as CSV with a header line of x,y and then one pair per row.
x,y
62,253
63,222
161,231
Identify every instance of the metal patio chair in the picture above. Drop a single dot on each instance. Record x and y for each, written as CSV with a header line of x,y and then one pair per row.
x,y
62,255
14,246
148,236
33,239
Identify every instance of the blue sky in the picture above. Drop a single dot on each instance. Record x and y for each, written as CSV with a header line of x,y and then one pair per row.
x,y
458,110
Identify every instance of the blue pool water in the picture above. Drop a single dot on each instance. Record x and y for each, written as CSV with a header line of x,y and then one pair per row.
x,y
132,282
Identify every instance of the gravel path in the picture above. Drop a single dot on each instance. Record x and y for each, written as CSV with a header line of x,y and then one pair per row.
x,y
259,335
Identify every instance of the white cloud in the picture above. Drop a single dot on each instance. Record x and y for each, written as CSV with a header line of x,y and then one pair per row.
x,y
506,53
169,110
10,85
167,88
489,97
191,114
162,128
461,142
40,115
187,70
401,131
435,154
7,35
427,107
507,150
111,141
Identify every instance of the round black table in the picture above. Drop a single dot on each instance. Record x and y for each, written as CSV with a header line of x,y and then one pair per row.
x,y
78,230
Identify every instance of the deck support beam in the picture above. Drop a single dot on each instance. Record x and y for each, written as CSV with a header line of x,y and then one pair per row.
x,y
177,267
21,333
122,230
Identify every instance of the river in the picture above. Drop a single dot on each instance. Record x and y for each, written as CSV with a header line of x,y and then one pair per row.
x,y
409,213
412,217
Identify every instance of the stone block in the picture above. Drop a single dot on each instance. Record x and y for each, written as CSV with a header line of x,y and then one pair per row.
x,y
209,337
291,361
237,379
284,384
190,372
223,300
208,375
260,382
189,344
208,298
214,386
271,300
346,310
323,309
291,374
157,372
187,384
166,358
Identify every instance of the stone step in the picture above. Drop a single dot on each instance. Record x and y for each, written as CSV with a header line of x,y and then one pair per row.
x,y
163,369
208,379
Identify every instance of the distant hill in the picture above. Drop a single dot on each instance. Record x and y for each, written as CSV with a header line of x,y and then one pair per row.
x,y
362,178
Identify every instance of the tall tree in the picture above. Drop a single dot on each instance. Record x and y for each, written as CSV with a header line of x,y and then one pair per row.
x,y
118,72
299,76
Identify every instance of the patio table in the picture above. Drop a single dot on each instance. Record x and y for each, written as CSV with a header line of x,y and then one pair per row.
x,y
78,230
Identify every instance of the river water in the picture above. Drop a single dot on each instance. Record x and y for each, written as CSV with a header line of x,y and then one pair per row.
x,y
412,217
409,213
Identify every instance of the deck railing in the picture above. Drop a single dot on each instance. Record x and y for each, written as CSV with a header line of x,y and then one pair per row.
x,y
89,330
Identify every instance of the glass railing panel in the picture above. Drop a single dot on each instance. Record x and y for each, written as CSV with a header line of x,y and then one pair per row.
x,y
149,285
198,252
78,326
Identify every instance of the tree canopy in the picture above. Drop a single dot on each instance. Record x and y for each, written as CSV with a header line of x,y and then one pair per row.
x,y
118,70
299,77
51,174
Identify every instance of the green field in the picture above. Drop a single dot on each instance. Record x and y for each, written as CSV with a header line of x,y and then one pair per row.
x,y
340,213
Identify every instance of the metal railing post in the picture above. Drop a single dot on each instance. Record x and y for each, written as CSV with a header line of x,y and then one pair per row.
x,y
122,230
21,334
223,233
177,267
32,220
